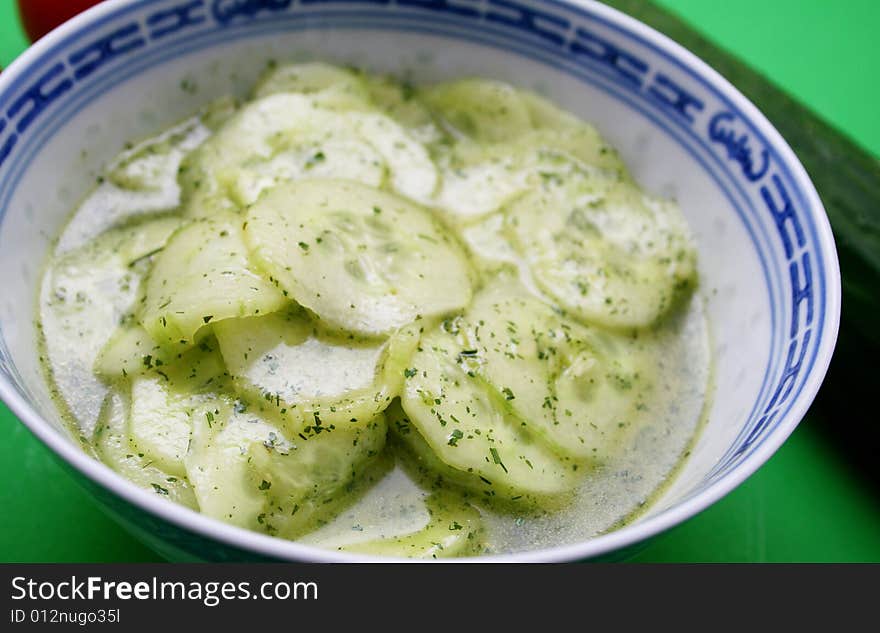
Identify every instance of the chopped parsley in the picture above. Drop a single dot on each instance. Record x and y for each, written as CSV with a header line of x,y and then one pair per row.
x,y
496,458
455,436
317,157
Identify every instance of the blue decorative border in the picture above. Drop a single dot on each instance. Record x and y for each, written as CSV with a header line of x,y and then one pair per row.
x,y
720,137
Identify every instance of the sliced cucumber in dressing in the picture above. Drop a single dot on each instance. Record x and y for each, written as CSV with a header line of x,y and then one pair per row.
x,y
313,378
508,142
411,171
245,471
115,447
84,295
399,517
479,179
355,140
610,254
344,157
364,261
151,165
131,351
513,364
400,102
374,317
555,128
160,423
489,245
309,481
453,529
419,460
202,276
249,136
289,136
186,422
468,425
573,387
487,111
331,86
217,462
165,402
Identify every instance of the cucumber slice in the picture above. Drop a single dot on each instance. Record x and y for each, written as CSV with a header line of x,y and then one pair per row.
x,y
364,147
288,136
330,86
608,253
150,165
84,295
582,144
478,179
202,276
144,239
397,517
129,352
468,426
386,261
491,113
164,403
178,419
307,482
554,128
532,142
246,472
484,110
217,462
400,102
487,241
313,378
246,137
490,247
412,172
344,157
575,388
115,448
160,424
453,529
419,460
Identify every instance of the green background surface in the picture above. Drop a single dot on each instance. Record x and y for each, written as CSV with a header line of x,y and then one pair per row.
x,y
810,502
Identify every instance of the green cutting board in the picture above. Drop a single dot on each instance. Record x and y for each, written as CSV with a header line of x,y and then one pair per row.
x,y
815,500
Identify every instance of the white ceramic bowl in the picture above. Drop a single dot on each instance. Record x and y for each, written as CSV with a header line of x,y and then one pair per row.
x,y
767,259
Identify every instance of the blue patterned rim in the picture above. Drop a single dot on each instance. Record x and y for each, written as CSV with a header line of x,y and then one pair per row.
x,y
717,126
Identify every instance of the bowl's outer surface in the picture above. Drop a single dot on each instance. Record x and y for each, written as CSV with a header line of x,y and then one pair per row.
x,y
769,270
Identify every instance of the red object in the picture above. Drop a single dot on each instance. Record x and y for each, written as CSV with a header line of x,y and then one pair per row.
x,y
41,16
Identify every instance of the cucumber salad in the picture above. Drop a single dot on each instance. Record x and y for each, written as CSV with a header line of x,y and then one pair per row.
x,y
417,321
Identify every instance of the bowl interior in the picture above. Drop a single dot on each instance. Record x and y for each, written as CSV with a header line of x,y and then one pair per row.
x,y
768,269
